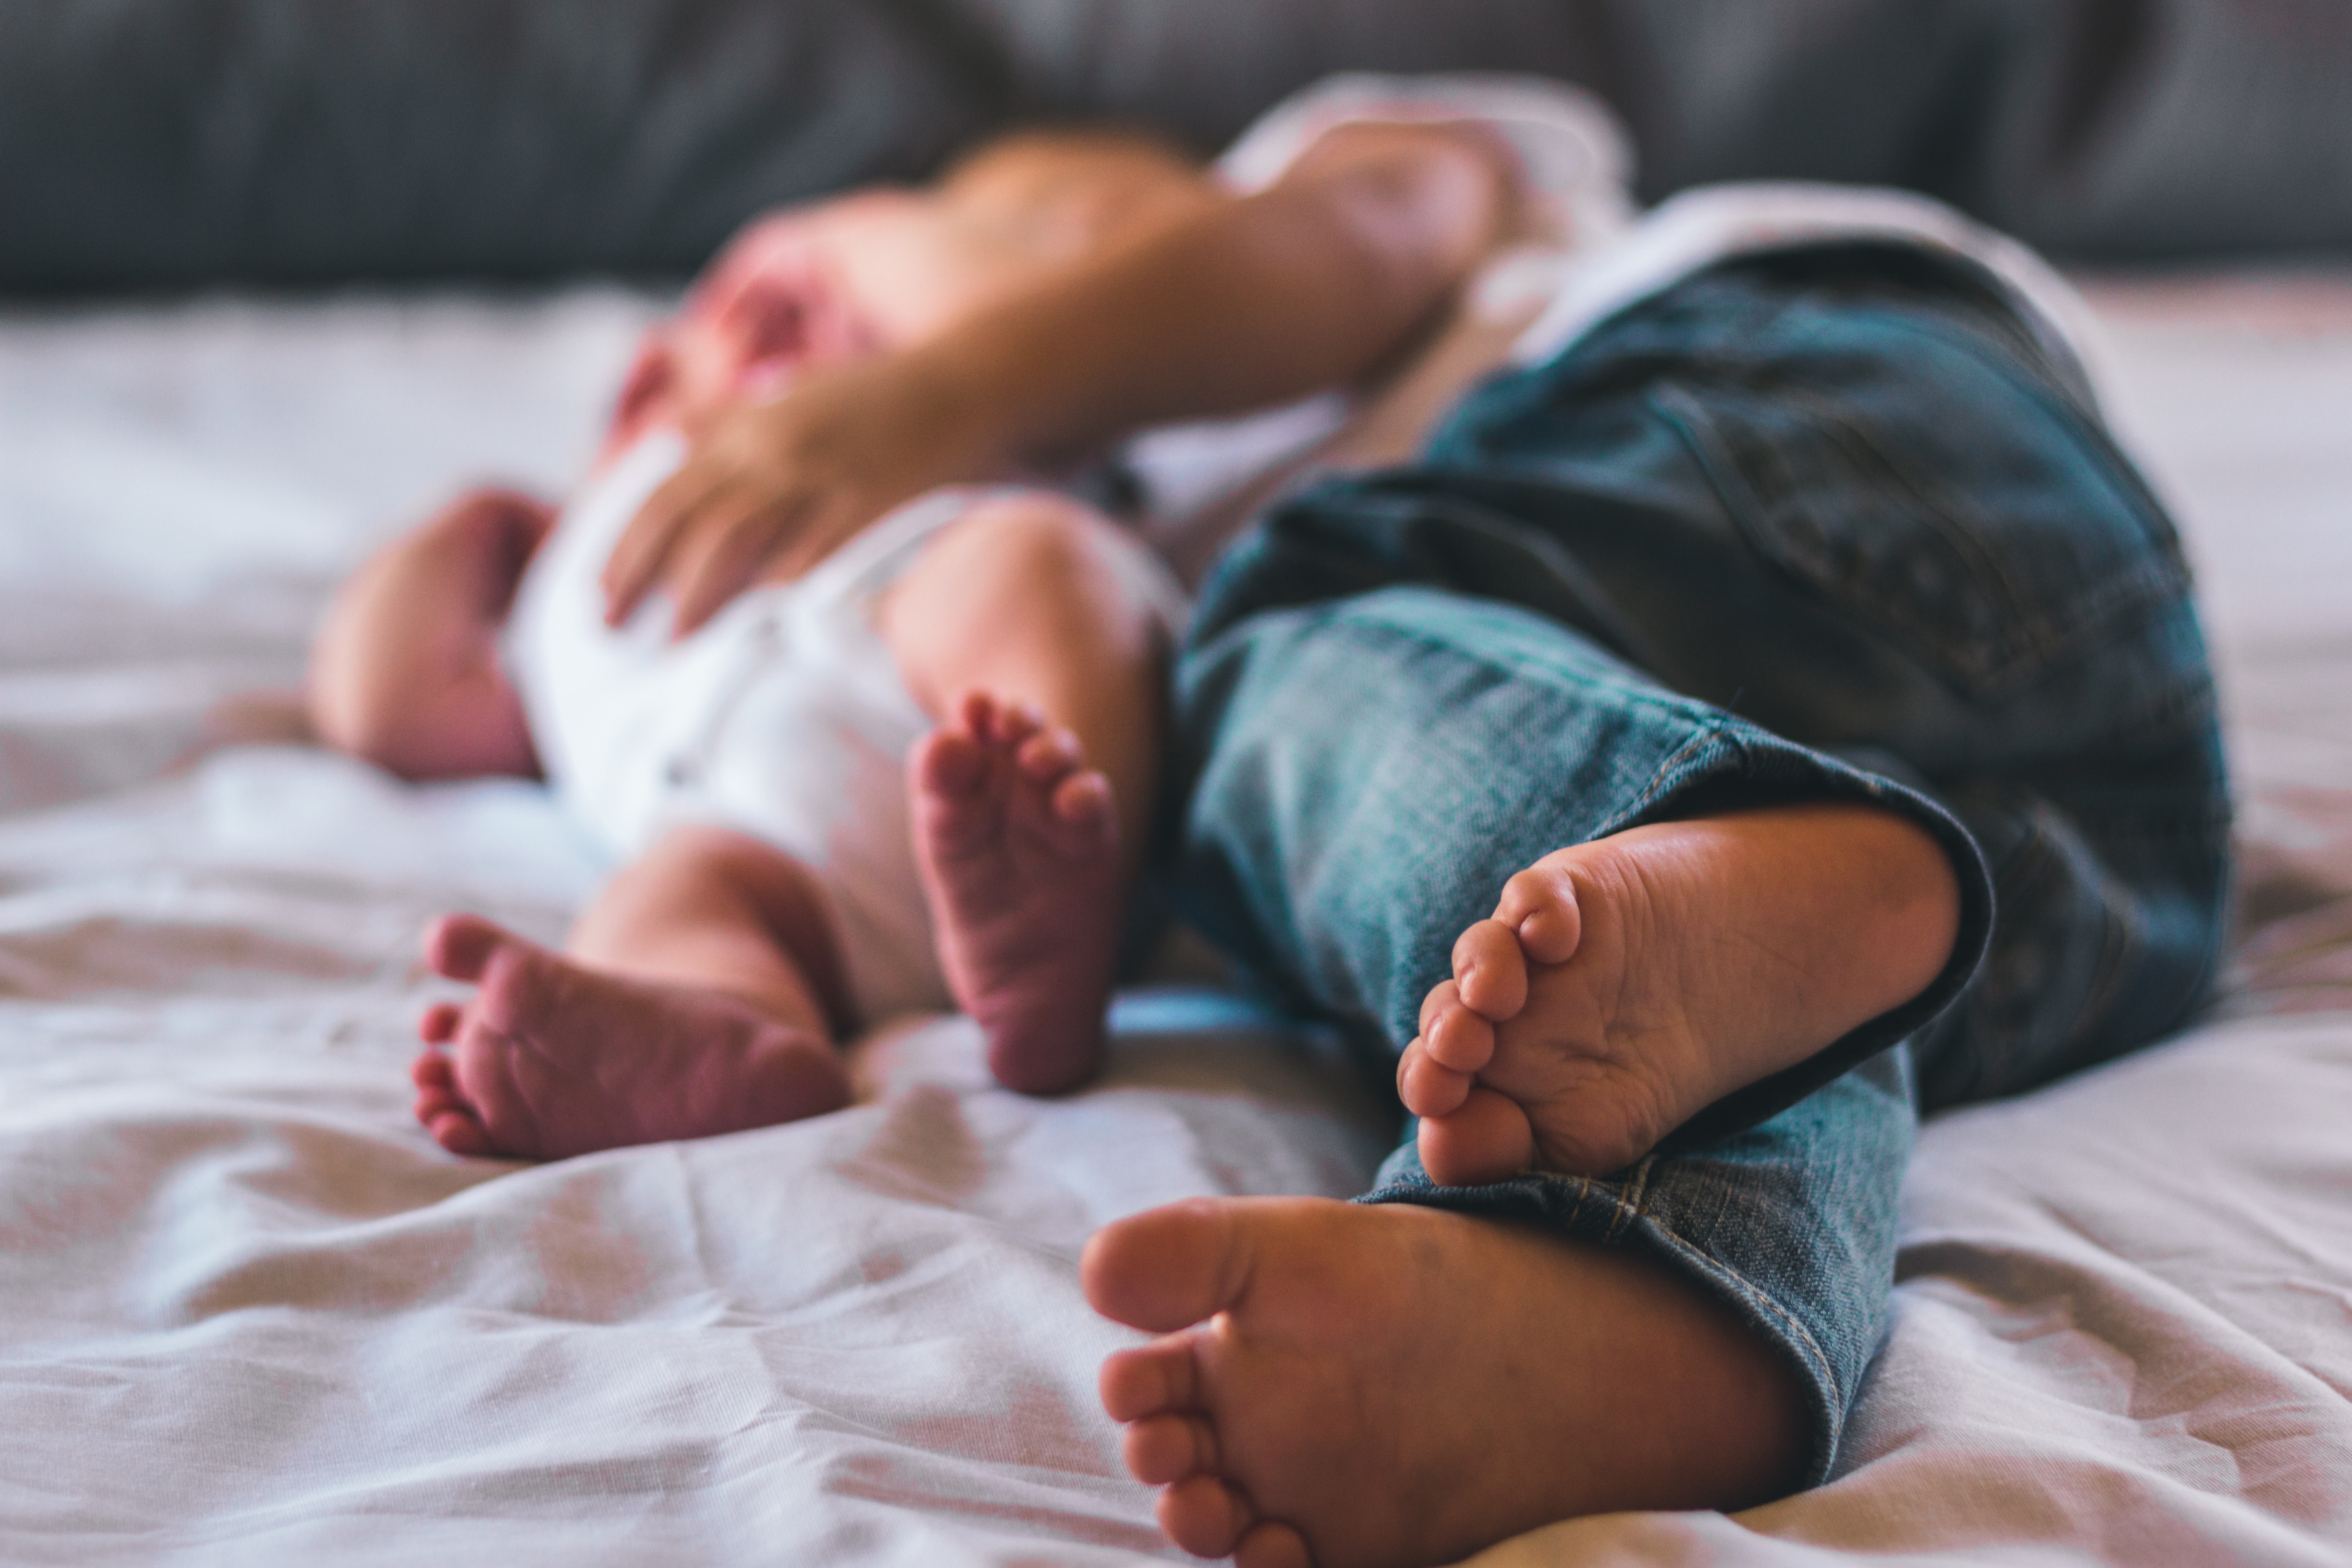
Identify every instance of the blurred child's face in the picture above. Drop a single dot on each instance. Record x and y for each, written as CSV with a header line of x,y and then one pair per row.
x,y
883,269
770,307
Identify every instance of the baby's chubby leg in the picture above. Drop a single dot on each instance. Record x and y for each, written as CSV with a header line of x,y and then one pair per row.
x,y
701,994
1044,662
406,672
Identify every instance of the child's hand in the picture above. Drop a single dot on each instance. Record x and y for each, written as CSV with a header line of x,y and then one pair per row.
x,y
769,489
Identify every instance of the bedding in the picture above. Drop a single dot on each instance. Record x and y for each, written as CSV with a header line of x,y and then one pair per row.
x,y
248,1312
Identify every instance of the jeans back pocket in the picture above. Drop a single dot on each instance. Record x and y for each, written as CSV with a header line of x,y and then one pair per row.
x,y
1974,519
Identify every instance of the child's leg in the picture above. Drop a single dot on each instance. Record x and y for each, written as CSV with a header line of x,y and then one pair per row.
x,y
1033,799
406,673
713,908
699,996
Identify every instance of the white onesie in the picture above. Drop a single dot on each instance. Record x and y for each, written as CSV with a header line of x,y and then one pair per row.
x,y
784,717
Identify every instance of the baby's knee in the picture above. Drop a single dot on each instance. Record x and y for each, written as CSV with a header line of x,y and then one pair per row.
x,y
1040,535
1045,553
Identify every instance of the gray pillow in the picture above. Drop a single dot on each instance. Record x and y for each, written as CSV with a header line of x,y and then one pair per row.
x,y
165,142
155,143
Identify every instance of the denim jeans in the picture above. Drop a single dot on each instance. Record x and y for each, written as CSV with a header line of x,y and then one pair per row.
x,y
1818,525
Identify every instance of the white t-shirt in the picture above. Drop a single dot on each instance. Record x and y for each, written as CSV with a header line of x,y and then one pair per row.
x,y
1587,255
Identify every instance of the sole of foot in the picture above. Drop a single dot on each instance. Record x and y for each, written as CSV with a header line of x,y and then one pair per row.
x,y
1387,1386
551,1058
1624,985
1018,842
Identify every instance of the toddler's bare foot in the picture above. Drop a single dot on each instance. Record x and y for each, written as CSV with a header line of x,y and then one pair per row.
x,y
1624,985
1358,1386
1019,845
551,1059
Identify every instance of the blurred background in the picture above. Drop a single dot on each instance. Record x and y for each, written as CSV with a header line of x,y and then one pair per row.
x,y
162,144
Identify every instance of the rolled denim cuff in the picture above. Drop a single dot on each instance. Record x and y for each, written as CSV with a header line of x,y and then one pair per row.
x,y
1739,766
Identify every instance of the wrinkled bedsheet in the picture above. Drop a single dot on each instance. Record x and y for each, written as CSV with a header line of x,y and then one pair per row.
x,y
249,1314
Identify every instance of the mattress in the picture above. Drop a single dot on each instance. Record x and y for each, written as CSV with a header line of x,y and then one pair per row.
x,y
250,1315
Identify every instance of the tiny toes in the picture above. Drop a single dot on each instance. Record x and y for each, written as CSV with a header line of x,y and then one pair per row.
x,y
1442,995
457,1131
1460,1038
1204,1516
1270,1544
1162,1450
1427,1086
1012,724
1082,802
1539,905
951,763
977,714
1048,755
439,1025
1491,970
459,947
1149,1380
1488,1140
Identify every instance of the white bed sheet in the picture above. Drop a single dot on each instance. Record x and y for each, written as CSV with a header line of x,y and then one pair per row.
x,y
249,1314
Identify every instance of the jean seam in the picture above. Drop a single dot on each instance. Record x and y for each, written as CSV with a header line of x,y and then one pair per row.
x,y
1636,1190
1954,530
2115,956
2032,864
2162,581
1633,1204
1674,771
1832,422
1794,1332
1669,772
1662,701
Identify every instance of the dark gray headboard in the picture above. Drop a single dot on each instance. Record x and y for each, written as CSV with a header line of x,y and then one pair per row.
x,y
148,143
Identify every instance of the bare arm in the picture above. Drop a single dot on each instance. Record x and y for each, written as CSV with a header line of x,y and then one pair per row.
x,y
406,673
1242,301
1310,284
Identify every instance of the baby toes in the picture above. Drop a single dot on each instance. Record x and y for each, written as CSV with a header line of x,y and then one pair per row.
x,y
1270,1544
975,714
1004,724
456,1130
1204,1516
1162,1450
1490,970
1435,1073
1442,995
949,764
1427,1086
1488,1139
1459,1038
1047,756
1084,811
1539,905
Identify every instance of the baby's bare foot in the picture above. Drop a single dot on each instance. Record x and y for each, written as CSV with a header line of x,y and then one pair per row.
x,y
1019,845
1357,1386
1624,985
551,1059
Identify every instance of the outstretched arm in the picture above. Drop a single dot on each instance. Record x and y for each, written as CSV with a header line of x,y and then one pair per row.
x,y
1239,302
1310,284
